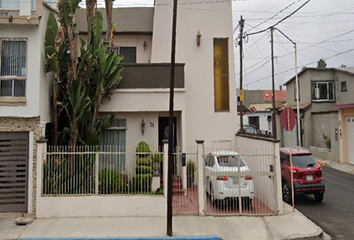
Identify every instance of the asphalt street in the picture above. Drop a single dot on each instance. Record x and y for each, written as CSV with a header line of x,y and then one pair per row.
x,y
335,215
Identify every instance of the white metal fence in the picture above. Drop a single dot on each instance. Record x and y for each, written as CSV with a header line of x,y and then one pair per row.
x,y
245,184
101,170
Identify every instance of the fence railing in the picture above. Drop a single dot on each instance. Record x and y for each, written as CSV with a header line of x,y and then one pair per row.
x,y
97,170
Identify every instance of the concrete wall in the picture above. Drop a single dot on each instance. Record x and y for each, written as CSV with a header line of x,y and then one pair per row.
x,y
101,206
326,123
259,155
344,97
201,122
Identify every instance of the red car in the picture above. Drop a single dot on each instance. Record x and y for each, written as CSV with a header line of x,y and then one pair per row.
x,y
307,173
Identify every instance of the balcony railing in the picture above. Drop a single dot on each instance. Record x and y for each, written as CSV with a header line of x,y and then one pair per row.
x,y
152,75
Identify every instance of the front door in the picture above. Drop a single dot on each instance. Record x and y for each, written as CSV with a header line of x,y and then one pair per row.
x,y
163,135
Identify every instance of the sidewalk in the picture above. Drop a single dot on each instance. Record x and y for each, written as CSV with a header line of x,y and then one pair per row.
x,y
344,167
291,225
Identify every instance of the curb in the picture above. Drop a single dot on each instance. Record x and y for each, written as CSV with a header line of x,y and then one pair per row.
x,y
129,238
321,163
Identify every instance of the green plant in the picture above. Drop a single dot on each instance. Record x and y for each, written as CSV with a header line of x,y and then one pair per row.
x,y
142,182
110,181
156,157
142,170
142,147
326,140
190,167
159,191
143,162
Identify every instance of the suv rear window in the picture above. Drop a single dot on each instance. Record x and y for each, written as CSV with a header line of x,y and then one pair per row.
x,y
230,161
303,161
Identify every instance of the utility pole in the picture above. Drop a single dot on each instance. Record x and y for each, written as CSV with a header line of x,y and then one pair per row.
x,y
274,120
170,156
242,23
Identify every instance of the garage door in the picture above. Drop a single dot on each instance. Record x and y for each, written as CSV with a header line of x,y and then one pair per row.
x,y
350,139
13,171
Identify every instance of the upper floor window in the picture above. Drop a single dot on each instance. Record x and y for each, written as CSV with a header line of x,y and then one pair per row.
x,y
343,86
16,4
13,68
322,91
221,75
129,54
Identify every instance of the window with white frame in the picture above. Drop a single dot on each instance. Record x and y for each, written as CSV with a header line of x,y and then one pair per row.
x,y
13,68
322,91
129,54
15,5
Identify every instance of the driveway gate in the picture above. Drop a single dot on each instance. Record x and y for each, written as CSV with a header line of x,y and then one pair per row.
x,y
13,171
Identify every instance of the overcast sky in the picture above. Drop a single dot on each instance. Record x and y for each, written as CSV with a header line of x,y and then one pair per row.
x,y
321,29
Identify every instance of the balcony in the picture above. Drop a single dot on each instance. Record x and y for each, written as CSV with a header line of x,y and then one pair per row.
x,y
152,75
20,12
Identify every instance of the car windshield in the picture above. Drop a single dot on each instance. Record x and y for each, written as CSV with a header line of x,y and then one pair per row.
x,y
230,161
303,161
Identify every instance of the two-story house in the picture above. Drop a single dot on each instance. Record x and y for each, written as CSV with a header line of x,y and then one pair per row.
x,y
326,111
204,99
24,100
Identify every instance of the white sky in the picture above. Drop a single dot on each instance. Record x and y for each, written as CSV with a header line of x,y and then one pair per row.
x,y
321,29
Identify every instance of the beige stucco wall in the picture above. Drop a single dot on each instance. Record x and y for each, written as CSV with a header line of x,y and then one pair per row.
x,y
32,126
201,121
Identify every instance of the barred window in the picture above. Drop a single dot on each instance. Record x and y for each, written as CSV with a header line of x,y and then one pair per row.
x,y
13,68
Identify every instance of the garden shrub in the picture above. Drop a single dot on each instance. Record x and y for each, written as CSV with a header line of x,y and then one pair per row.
x,y
142,182
110,181
142,148
143,162
142,170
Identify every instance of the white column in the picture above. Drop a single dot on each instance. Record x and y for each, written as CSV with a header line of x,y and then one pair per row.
x,y
41,156
165,166
277,171
200,170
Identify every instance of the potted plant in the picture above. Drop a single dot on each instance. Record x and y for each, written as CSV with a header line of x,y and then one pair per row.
x,y
156,159
190,173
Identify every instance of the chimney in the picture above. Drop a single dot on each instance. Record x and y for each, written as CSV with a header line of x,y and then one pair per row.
x,y
280,87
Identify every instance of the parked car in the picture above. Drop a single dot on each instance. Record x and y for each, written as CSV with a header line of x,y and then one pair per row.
x,y
307,174
222,179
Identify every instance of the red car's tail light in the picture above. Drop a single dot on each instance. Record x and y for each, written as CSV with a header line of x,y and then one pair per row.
x,y
319,167
295,169
248,177
222,178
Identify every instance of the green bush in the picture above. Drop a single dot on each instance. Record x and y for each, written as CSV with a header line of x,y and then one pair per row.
x,y
190,167
142,170
142,147
159,191
142,182
110,181
143,162
156,157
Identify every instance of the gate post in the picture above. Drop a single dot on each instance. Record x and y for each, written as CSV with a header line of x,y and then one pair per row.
x,y
200,172
165,166
41,157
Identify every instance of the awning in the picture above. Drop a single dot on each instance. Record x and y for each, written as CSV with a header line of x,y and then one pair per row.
x,y
302,107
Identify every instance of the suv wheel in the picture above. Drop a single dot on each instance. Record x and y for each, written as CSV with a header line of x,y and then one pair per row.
x,y
319,196
286,192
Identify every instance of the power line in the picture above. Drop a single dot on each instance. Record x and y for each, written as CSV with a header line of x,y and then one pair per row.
x,y
281,19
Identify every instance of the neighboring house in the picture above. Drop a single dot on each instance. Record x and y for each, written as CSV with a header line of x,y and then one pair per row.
x,y
24,100
258,108
204,103
326,111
